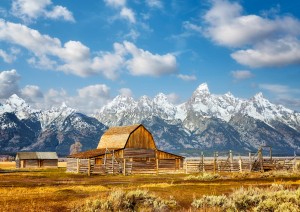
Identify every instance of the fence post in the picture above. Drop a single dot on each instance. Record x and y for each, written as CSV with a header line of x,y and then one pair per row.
x,y
240,164
77,165
231,160
250,162
124,166
215,162
202,161
89,167
157,166
295,162
260,156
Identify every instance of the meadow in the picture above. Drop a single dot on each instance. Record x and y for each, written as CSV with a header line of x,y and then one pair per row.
x,y
56,190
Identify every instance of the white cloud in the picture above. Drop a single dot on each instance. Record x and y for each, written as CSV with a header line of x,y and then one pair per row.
x,y
9,83
126,92
29,10
191,27
227,26
145,63
127,14
270,53
88,99
155,4
187,77
241,74
115,3
31,93
8,58
73,57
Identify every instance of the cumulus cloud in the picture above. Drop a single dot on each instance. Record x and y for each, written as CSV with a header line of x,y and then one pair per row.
x,y
30,10
124,12
128,14
280,52
241,74
187,77
227,26
9,83
126,92
145,63
73,57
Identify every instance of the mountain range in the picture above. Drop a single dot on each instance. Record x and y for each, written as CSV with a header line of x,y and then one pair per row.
x,y
204,123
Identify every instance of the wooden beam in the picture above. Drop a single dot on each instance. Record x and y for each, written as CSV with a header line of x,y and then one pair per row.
x,y
77,165
89,167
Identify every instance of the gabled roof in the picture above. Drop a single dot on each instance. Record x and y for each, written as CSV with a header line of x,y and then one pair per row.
x,y
91,153
116,137
36,155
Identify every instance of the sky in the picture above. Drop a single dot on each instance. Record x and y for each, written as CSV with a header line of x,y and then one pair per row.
x,y
85,54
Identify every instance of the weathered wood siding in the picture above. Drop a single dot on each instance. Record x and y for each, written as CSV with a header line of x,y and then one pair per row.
x,y
31,163
139,153
165,155
49,163
141,138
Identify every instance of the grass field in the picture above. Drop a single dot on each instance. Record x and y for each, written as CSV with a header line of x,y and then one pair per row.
x,y
55,190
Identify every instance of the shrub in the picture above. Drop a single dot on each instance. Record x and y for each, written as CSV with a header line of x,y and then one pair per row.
x,y
275,198
210,201
204,177
119,200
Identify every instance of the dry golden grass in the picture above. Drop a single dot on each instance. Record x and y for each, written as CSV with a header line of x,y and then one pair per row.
x,y
8,165
55,190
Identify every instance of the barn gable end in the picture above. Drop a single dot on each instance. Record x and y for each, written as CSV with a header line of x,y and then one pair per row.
x,y
140,138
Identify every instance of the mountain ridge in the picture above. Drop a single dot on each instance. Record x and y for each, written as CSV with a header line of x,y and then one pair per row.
x,y
205,122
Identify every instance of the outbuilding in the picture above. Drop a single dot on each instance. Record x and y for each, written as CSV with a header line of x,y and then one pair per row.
x,y
127,150
36,160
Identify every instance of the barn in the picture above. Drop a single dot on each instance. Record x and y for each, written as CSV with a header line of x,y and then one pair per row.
x,y
127,150
36,160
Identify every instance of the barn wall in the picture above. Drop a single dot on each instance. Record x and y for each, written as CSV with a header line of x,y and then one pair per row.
x,y
139,153
165,155
31,163
49,163
141,138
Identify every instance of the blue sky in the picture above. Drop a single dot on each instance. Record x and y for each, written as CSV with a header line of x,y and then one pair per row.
x,y
86,54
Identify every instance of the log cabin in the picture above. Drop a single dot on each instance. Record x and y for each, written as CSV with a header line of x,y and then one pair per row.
x,y
36,160
127,150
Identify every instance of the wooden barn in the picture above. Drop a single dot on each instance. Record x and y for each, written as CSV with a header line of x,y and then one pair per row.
x,y
127,150
36,160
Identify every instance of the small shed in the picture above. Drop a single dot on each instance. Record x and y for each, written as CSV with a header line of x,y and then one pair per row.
x,y
127,150
36,160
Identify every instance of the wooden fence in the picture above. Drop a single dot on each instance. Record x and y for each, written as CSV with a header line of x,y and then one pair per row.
x,y
125,166
231,163
225,162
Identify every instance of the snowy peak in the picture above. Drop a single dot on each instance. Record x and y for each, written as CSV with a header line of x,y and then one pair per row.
x,y
15,104
202,89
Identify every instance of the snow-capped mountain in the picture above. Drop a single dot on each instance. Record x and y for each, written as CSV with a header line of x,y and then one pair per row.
x,y
205,122
208,121
25,129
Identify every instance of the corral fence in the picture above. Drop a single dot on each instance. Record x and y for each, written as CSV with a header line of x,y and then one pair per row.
x,y
230,162
219,162
124,166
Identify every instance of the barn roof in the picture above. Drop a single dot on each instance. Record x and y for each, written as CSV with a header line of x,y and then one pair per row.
x,y
91,153
36,155
116,137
